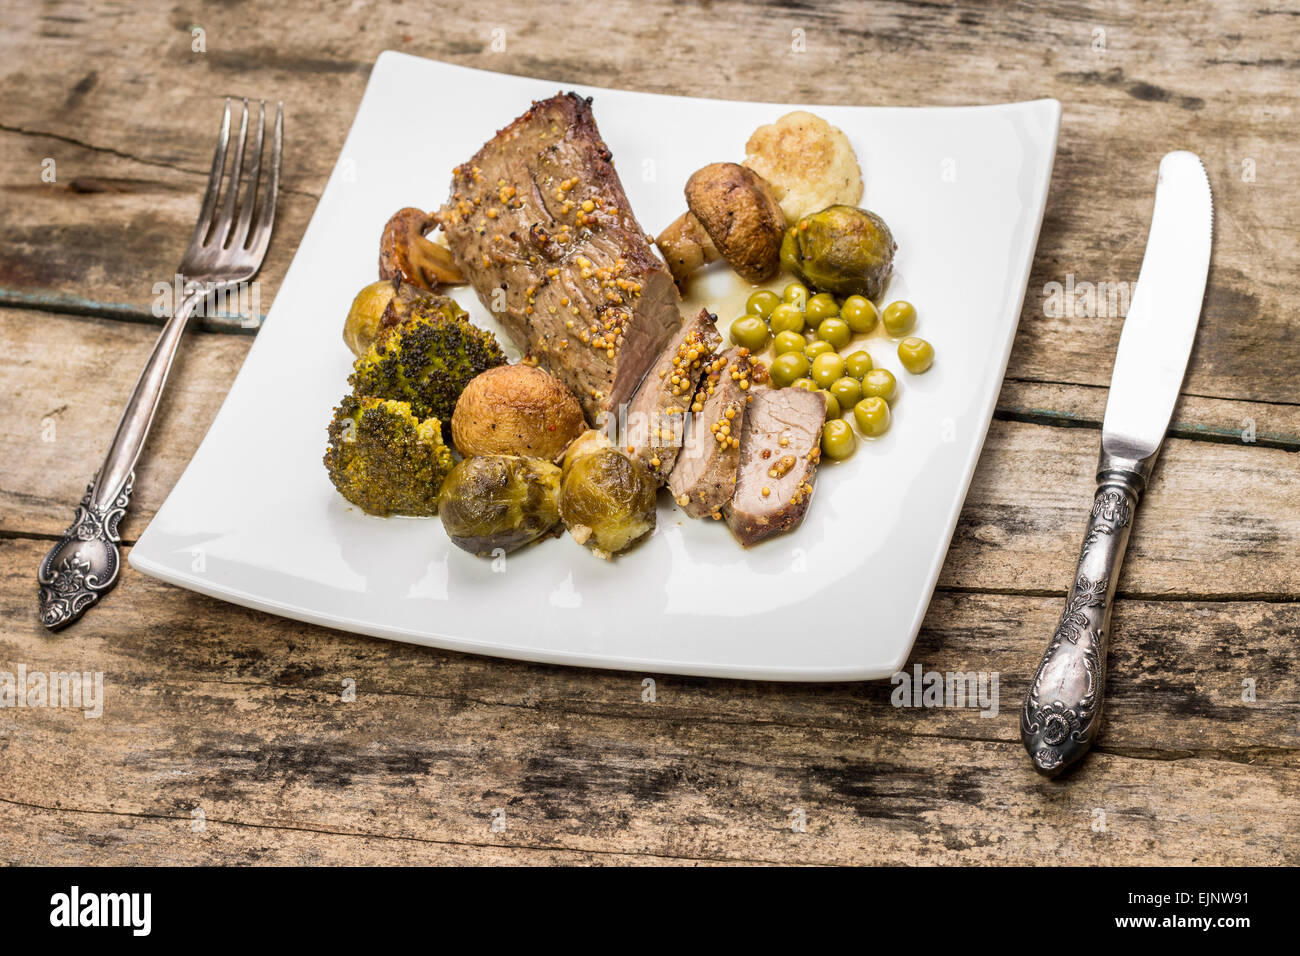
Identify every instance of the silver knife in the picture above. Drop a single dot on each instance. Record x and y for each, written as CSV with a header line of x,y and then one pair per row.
x,y
1063,707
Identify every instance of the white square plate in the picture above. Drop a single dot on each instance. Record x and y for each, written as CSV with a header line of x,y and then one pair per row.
x,y
254,519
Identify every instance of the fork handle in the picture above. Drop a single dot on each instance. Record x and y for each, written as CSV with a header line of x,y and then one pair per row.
x,y
1062,710
85,562
133,427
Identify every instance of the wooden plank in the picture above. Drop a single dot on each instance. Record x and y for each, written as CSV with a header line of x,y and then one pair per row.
x,y
1266,424
241,715
1185,74
40,836
1178,669
67,380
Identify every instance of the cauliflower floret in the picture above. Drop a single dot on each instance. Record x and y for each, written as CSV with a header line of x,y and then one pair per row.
x,y
809,163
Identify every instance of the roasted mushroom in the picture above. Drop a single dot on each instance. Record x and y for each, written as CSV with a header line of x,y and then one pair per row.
x,y
500,502
516,410
733,214
607,500
842,250
404,251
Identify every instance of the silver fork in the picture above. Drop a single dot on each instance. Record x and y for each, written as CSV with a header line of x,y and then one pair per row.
x,y
223,252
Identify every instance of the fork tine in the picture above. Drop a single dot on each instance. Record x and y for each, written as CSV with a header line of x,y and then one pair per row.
x,y
214,180
240,234
262,232
221,228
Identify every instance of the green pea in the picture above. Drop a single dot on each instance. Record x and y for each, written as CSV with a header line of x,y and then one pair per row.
x,y
788,367
750,331
827,368
873,416
817,347
787,317
860,313
838,440
807,384
788,342
762,302
847,391
833,409
858,364
917,355
835,331
899,317
821,306
797,294
879,383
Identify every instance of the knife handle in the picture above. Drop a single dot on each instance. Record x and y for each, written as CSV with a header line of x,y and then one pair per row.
x,y
1063,707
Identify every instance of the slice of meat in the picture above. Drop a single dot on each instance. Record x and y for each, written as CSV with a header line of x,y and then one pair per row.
x,y
538,222
779,450
656,417
704,478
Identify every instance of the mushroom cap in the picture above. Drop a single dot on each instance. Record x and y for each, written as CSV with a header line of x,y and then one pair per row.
x,y
740,212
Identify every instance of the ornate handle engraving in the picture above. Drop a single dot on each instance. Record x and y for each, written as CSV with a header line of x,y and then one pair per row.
x,y
85,563
1063,708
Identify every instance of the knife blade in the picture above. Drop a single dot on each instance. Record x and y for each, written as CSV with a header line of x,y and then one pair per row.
x,y
1062,710
1164,311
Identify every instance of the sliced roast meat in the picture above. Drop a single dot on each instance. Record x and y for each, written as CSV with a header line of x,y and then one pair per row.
x,y
538,222
704,478
779,450
656,417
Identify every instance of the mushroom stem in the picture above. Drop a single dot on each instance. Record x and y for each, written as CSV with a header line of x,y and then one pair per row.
x,y
405,252
686,246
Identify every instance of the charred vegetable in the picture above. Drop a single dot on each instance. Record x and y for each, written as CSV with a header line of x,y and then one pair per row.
x,y
499,502
842,249
427,359
607,500
405,252
385,460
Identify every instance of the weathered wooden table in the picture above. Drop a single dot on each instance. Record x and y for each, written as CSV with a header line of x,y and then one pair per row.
x,y
225,736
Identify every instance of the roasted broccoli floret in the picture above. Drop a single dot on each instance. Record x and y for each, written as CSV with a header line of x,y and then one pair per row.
x,y
384,459
427,360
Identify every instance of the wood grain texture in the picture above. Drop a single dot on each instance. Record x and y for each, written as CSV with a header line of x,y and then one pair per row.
x,y
247,723
239,714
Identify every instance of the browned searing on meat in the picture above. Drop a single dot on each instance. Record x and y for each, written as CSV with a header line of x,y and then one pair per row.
x,y
655,421
704,478
538,222
779,450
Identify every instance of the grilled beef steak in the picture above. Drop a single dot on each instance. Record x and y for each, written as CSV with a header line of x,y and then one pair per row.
x,y
657,414
779,450
704,478
539,223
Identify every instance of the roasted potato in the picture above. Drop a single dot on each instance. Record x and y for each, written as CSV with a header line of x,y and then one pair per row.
x,y
501,502
516,410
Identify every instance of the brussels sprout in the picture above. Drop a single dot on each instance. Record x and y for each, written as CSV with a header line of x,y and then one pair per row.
x,y
499,501
842,249
607,500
